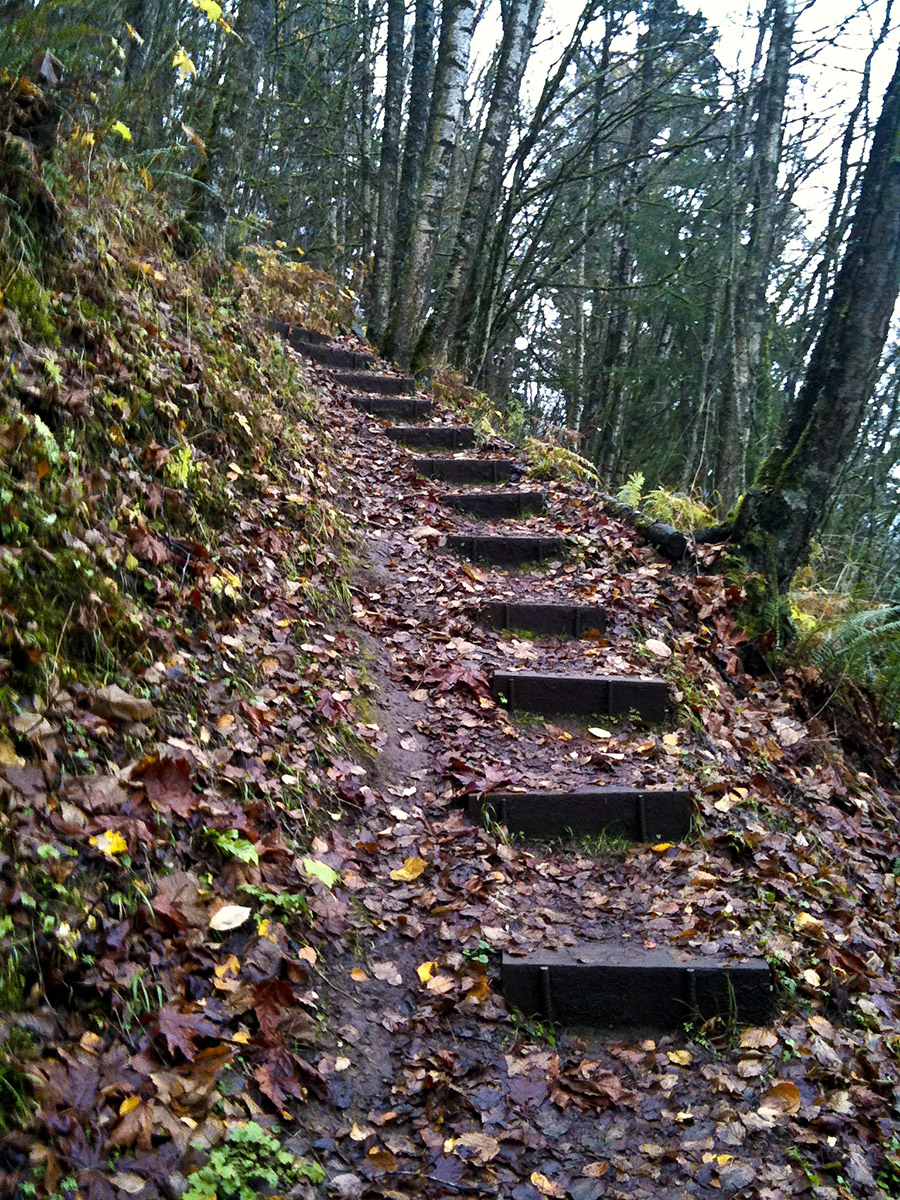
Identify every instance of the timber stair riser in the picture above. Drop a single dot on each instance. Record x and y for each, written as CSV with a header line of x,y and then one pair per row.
x,y
634,814
497,506
335,358
620,987
508,551
561,620
465,470
393,406
383,385
297,336
433,437
581,695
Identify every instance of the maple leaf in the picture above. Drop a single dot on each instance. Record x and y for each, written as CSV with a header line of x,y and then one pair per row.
x,y
285,1074
167,782
180,1029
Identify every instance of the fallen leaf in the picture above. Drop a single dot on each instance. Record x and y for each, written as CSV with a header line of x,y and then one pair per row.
x,y
228,917
321,871
783,1097
660,649
411,870
805,922
425,971
681,1058
483,1146
116,704
547,1187
111,842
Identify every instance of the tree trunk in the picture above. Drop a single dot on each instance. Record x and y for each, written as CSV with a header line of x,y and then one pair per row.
x,y
778,518
457,24
387,175
212,200
520,21
420,83
749,314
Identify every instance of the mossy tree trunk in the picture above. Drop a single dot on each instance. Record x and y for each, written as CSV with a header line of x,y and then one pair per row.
x,y
778,518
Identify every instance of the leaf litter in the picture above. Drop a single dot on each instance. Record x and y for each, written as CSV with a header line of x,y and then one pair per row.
x,y
340,984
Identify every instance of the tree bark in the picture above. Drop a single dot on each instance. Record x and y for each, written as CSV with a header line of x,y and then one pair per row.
x,y
212,200
520,22
748,308
457,24
387,173
778,518
420,84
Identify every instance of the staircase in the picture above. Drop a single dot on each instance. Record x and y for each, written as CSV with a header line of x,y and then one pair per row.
x,y
613,986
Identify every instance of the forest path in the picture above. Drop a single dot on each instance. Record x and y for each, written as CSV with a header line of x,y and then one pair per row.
x,y
438,1090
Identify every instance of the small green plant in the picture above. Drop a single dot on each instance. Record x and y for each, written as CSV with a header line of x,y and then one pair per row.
x,y
230,842
290,904
631,491
480,953
250,1162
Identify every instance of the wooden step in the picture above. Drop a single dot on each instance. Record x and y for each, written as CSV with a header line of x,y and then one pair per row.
x,y
511,548
384,385
433,437
393,406
636,814
465,470
565,620
296,334
335,356
582,695
497,506
627,987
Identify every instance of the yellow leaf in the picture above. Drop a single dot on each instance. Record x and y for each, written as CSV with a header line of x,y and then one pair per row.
x,y
212,10
110,842
133,34
146,178
806,923
662,847
8,756
681,1058
426,970
181,60
321,871
121,129
547,1187
129,1105
359,975
242,1037
230,966
411,869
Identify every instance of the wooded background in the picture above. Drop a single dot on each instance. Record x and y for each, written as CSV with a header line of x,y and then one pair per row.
x,y
624,240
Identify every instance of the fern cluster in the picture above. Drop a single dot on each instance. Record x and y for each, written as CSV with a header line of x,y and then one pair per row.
x,y
673,508
863,648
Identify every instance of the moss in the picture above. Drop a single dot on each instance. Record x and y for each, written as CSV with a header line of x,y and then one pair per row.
x,y
31,302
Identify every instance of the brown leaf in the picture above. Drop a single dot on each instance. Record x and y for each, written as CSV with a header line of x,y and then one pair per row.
x,y
167,782
180,1029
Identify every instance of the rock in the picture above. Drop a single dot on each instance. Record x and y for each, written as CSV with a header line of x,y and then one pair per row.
x,y
115,704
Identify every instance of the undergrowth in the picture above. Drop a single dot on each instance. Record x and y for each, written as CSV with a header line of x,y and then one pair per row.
x,y
143,408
